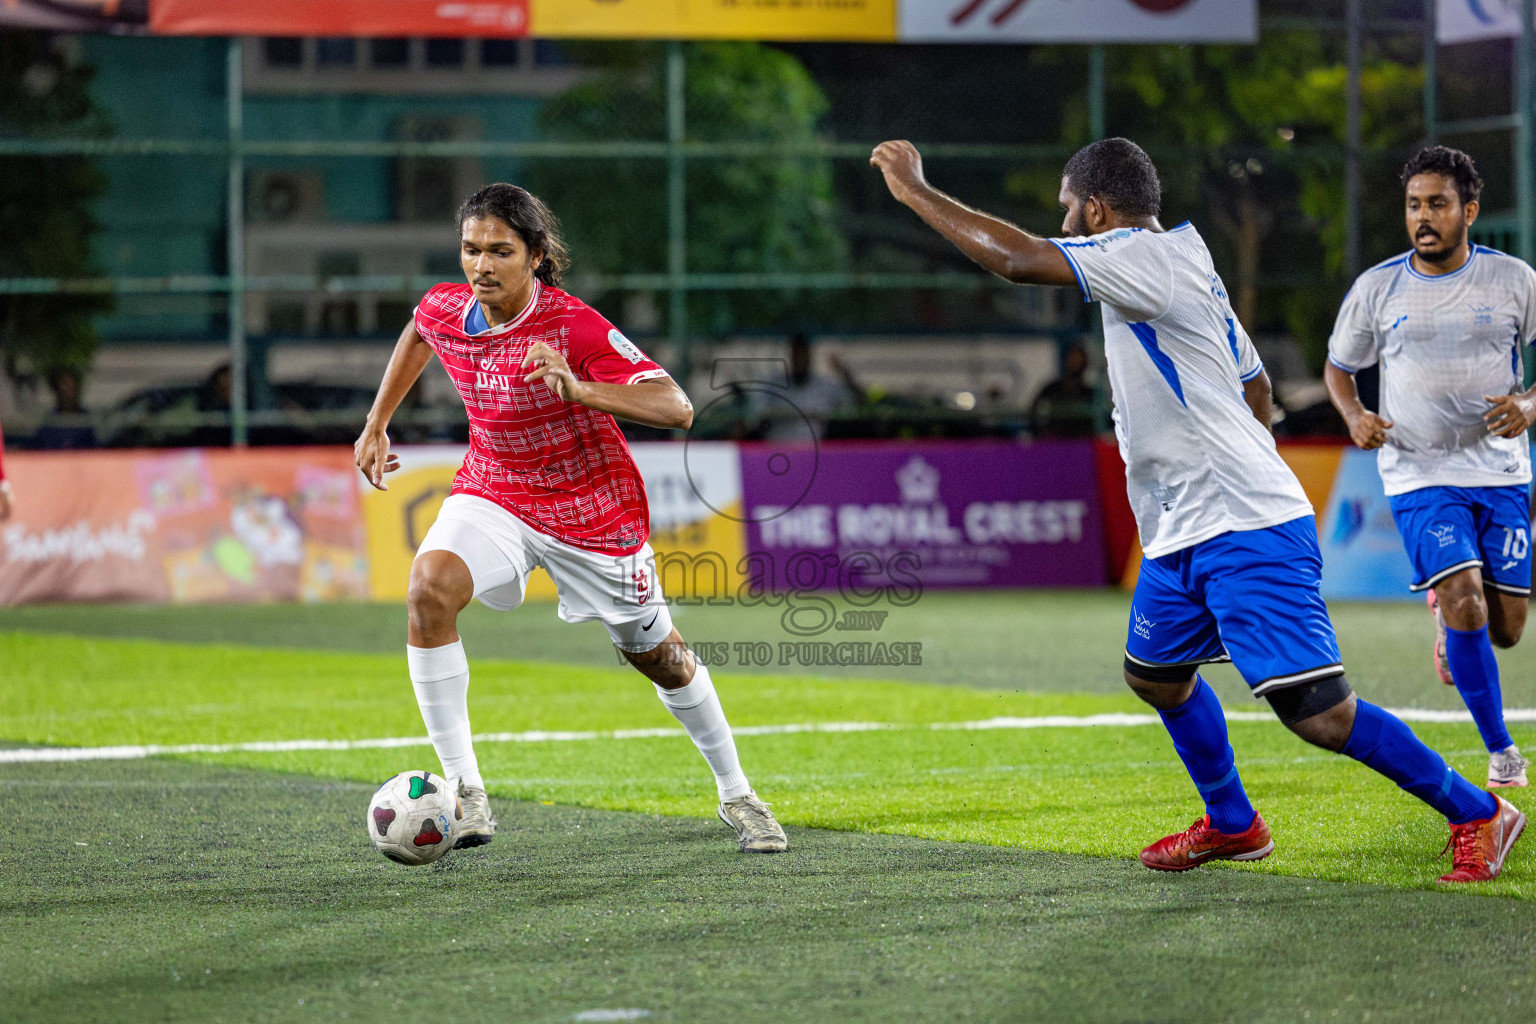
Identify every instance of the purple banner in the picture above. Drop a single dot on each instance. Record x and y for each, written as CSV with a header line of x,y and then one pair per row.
x,y
940,514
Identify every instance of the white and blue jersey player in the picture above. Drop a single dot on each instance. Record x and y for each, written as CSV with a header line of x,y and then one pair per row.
x,y
1231,570
1447,322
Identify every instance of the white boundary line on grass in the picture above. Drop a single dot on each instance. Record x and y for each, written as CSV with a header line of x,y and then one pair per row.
x,y
30,755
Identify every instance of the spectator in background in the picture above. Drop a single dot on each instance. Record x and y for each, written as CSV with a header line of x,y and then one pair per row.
x,y
815,397
1065,406
67,426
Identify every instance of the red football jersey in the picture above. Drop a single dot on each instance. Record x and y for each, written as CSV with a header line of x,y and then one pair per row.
x,y
561,467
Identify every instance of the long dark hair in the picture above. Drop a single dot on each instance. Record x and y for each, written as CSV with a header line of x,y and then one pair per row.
x,y
525,213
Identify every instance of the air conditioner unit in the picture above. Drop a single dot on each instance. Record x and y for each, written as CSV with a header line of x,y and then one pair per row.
x,y
284,197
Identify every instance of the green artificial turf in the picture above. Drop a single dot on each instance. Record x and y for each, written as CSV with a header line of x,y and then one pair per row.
x,y
1105,791
935,874
1055,641
170,891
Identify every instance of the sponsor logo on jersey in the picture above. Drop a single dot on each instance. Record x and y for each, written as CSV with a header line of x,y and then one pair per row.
x,y
1397,323
624,347
1143,624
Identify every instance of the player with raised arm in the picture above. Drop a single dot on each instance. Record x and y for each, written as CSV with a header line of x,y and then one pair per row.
x,y
1448,321
548,481
1231,568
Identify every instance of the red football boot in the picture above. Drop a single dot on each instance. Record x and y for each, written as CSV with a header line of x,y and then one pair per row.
x,y
1478,848
1200,843
1442,663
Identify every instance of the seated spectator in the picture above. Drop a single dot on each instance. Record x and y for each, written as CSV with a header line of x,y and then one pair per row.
x,y
811,398
67,426
1065,406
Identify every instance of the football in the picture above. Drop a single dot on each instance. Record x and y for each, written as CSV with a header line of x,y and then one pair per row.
x,y
414,818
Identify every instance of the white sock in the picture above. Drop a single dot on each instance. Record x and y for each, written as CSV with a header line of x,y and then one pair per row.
x,y
698,707
440,676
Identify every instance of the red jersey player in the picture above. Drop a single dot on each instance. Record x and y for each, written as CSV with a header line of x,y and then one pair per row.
x,y
549,482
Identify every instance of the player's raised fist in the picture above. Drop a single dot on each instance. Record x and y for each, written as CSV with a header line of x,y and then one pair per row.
x,y
902,166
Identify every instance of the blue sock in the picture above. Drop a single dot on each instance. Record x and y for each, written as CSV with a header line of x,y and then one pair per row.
x,y
1199,731
1382,742
1476,672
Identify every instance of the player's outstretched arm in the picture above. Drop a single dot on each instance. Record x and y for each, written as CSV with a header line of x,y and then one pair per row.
x,y
1366,429
1005,249
655,403
410,357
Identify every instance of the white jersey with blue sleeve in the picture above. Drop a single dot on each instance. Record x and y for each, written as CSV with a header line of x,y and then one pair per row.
x,y
1443,344
1197,462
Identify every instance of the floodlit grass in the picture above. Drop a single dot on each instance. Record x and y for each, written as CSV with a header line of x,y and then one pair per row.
x,y
1101,791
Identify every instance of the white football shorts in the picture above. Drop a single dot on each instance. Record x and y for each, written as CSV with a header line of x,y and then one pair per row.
x,y
501,550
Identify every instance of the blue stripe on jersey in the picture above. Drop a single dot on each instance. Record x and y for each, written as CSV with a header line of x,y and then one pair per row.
x,y
1082,282
1514,357
1232,341
1148,337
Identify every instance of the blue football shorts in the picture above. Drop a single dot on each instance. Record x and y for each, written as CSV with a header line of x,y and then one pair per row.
x,y
1448,529
1251,597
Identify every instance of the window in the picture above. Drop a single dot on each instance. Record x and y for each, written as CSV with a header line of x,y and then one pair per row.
x,y
283,52
336,52
445,53
498,53
389,53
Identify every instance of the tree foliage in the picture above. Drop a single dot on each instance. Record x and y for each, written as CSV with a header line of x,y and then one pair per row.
x,y
45,215
743,215
1250,141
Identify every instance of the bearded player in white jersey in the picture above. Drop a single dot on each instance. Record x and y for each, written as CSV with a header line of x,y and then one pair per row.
x,y
1448,322
1231,568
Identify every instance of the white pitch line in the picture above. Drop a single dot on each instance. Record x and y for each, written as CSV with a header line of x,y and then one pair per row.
x,y
33,755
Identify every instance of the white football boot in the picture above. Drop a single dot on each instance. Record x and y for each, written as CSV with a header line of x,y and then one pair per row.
x,y
756,829
1506,768
478,826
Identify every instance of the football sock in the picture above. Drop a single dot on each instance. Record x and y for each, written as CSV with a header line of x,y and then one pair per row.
x,y
1476,672
697,706
1381,741
440,676
1199,731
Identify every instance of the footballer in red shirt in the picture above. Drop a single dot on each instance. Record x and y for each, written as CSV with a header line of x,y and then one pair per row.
x,y
548,481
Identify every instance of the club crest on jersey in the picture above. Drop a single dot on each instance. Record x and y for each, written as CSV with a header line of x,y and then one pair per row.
x,y
642,583
624,347
1445,534
1482,313
1143,624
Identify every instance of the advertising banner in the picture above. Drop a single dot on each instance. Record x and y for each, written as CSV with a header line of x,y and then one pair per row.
x,y
183,526
75,15
1466,21
340,18
785,20
1363,554
1080,21
694,492
977,514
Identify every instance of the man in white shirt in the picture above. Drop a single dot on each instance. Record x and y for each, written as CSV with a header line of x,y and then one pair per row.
x,y
1448,321
1232,569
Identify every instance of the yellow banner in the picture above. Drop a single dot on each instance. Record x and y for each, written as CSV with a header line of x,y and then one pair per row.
x,y
783,20
696,513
